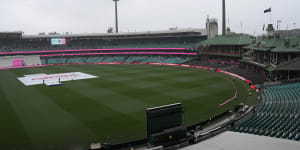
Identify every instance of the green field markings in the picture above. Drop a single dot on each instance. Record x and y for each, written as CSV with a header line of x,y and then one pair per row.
x,y
42,119
145,84
110,97
110,108
122,91
12,131
97,116
171,94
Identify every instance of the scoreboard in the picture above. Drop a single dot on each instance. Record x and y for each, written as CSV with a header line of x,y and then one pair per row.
x,y
58,41
164,124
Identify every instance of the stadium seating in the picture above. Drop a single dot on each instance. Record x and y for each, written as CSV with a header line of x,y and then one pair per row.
x,y
56,60
142,42
279,115
74,60
123,59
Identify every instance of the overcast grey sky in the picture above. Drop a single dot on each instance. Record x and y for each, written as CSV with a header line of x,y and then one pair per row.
x,y
87,16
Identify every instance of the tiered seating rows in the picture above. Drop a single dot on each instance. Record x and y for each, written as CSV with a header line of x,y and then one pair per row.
x,y
279,114
124,59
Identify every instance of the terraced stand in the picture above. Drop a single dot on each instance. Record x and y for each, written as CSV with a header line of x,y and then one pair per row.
x,y
279,114
126,59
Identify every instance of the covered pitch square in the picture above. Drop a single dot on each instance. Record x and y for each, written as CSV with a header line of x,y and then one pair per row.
x,y
53,79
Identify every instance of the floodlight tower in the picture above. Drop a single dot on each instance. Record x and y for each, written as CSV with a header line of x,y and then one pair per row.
x,y
224,18
116,13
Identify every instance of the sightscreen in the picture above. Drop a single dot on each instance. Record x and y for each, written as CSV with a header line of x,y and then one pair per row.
x,y
17,62
163,117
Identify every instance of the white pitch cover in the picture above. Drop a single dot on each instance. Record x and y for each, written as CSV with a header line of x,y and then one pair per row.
x,y
36,79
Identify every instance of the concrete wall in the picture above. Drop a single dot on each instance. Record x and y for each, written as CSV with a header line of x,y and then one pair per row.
x,y
7,61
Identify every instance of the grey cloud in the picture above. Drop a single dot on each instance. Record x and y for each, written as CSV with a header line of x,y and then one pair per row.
x,y
80,16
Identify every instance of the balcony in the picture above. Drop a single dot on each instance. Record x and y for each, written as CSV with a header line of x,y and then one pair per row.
x,y
221,54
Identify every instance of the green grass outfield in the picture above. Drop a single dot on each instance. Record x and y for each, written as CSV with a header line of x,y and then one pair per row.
x,y
110,108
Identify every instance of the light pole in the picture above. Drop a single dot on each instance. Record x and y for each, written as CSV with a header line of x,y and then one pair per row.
x,y
116,13
224,17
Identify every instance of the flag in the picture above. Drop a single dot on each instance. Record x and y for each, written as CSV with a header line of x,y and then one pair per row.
x,y
267,10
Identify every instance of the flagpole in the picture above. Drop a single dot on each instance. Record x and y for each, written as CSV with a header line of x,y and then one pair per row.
x,y
270,12
271,15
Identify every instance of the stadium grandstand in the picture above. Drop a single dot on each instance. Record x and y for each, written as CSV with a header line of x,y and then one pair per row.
x,y
271,111
16,41
278,115
225,52
145,47
272,62
226,49
184,89
275,56
271,57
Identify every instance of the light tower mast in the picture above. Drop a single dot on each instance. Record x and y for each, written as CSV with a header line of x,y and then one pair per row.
x,y
116,13
224,18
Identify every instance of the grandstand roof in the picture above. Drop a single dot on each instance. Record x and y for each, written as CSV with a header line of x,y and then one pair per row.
x,y
283,49
253,46
11,34
167,33
265,44
235,39
292,43
291,65
276,45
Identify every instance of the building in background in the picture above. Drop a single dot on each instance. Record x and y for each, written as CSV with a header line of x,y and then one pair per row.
x,y
289,33
211,27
